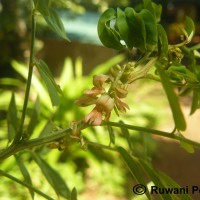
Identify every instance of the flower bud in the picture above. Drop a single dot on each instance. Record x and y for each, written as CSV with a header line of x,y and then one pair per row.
x,y
105,103
99,80
121,91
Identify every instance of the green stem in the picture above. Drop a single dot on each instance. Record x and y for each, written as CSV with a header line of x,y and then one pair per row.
x,y
25,184
56,135
154,132
30,72
22,145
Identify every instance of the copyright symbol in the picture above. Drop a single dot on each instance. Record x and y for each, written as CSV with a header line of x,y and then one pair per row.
x,y
139,189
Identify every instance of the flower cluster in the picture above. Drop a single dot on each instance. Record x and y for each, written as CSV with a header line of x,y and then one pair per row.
x,y
105,98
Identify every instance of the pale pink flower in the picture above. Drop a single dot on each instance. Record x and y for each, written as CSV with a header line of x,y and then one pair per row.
x,y
94,91
104,106
121,106
99,80
86,101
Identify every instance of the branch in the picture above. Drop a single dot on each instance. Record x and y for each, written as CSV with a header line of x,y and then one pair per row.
x,y
154,132
22,145
28,86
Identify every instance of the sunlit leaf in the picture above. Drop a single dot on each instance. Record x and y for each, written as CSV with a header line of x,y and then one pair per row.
x,y
150,27
111,134
195,100
12,119
51,17
52,87
123,28
55,23
24,184
182,73
163,41
36,83
49,126
155,178
155,9
134,168
126,134
148,5
173,100
34,118
190,28
53,177
107,34
137,29
42,6
188,147
74,194
25,173
172,184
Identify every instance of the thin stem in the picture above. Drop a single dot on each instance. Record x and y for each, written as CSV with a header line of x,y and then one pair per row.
x,y
25,184
100,146
30,72
22,145
143,72
154,132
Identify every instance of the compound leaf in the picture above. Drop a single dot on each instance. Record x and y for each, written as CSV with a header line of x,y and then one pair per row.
x,y
106,32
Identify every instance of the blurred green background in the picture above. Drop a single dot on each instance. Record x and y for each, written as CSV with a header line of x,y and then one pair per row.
x,y
96,173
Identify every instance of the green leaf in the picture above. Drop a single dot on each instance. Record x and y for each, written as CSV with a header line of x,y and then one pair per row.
x,y
172,184
195,101
155,178
155,9
13,178
148,5
137,29
51,17
126,134
34,118
74,194
190,28
49,126
55,23
12,119
42,6
163,41
108,35
150,27
182,73
123,28
188,147
111,134
134,168
173,100
52,87
53,177
25,173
